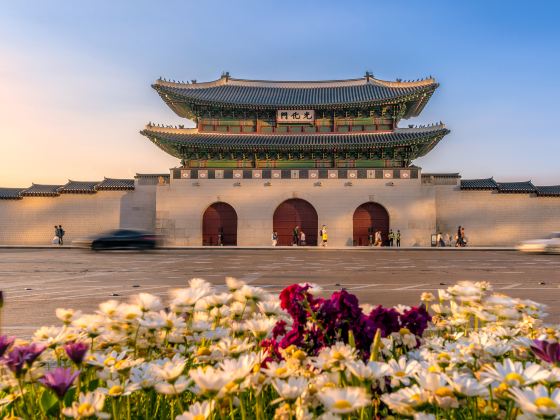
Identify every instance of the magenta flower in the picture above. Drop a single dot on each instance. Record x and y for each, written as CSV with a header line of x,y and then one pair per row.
x,y
416,319
549,351
22,355
76,351
5,343
59,380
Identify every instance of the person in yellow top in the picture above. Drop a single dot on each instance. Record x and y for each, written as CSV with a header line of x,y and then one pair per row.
x,y
324,235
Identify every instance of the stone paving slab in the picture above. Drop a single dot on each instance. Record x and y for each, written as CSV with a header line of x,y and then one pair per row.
x,y
37,281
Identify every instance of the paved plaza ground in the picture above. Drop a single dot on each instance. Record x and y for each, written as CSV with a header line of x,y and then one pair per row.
x,y
37,281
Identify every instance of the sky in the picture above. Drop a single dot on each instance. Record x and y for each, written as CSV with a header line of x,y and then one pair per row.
x,y
75,76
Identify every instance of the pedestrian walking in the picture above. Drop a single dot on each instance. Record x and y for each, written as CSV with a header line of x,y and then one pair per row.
x,y
274,238
463,237
378,239
391,237
56,238
398,237
458,241
440,241
295,236
370,236
221,236
324,236
302,238
61,235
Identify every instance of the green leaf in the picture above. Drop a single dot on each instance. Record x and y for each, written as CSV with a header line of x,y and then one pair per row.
x,y
70,397
49,402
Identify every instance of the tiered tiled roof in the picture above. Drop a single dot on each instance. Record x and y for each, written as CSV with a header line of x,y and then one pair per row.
x,y
548,190
116,184
229,92
173,140
11,193
479,184
42,190
516,187
79,187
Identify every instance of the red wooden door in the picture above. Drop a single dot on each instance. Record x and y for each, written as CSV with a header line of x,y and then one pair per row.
x,y
370,216
292,213
219,218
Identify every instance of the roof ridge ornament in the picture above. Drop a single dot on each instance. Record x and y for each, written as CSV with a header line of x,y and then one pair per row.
x,y
368,75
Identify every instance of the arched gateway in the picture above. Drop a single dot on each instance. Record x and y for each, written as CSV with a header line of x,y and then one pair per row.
x,y
369,217
292,213
219,225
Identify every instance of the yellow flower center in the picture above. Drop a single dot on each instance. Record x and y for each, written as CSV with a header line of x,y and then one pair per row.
x,y
230,386
199,417
415,398
84,409
444,356
120,364
404,331
280,371
400,373
342,405
337,355
545,402
203,351
433,369
514,377
299,355
444,392
116,390
109,361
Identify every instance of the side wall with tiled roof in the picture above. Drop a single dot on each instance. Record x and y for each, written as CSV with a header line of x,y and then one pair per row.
x,y
495,219
31,220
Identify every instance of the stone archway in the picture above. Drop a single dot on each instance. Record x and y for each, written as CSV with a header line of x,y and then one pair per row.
x,y
296,212
219,222
369,217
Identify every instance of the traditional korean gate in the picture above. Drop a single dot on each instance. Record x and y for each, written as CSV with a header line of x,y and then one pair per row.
x,y
219,218
370,217
292,213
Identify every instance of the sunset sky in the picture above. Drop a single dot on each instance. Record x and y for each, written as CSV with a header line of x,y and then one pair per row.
x,y
75,76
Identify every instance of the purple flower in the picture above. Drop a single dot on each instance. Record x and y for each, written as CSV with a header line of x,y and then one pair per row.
x,y
416,320
384,319
76,351
549,351
59,380
21,355
5,343
279,329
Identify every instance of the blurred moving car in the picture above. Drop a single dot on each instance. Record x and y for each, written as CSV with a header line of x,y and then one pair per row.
x,y
121,239
550,244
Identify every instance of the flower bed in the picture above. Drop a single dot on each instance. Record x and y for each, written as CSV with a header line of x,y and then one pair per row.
x,y
239,352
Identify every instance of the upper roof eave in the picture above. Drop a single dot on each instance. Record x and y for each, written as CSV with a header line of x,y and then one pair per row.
x,y
319,95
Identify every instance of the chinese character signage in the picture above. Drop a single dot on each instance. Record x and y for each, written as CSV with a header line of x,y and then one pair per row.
x,y
299,116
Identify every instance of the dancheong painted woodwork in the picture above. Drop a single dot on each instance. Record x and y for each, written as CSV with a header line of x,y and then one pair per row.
x,y
317,124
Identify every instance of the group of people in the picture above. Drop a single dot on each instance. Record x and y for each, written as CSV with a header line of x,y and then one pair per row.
x,y
298,236
58,235
375,238
447,240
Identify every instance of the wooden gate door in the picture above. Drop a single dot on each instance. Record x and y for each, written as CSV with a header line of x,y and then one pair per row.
x,y
292,213
219,218
369,217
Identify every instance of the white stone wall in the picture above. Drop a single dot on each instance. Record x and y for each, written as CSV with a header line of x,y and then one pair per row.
x,y
493,219
181,205
31,220
176,210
